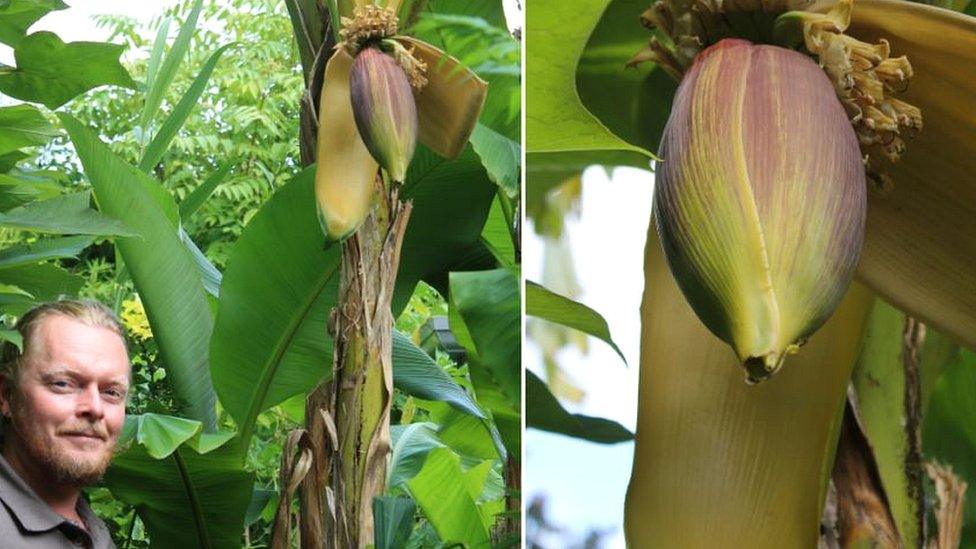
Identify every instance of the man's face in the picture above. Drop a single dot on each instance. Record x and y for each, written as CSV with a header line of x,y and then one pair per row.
x,y
68,405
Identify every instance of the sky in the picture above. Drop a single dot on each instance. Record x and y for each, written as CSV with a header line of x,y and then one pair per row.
x,y
585,483
75,23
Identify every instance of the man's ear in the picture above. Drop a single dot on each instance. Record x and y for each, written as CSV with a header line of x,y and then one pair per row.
x,y
5,389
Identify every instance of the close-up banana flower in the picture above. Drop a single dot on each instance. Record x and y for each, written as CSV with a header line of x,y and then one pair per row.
x,y
813,165
759,199
382,92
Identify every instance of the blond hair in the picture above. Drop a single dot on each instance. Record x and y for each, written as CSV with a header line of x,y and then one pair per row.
x,y
88,312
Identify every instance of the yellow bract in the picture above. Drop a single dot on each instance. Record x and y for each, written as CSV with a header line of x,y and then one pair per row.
x,y
719,463
449,105
345,172
919,251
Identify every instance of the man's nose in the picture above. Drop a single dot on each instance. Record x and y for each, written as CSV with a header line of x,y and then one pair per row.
x,y
90,403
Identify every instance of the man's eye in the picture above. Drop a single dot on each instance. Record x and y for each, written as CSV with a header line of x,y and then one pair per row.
x,y
61,384
115,393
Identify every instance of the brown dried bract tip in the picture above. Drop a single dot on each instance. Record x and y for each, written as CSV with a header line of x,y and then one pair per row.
x,y
415,68
693,25
368,23
864,77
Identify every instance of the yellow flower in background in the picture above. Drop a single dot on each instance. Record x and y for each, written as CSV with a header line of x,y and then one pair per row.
x,y
134,318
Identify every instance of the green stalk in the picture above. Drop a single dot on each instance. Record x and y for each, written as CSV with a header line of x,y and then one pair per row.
x,y
355,403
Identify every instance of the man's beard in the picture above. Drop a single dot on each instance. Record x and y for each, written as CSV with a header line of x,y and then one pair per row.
x,y
60,467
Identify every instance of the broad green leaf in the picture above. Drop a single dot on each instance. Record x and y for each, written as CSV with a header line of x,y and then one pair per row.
x,y
25,286
165,274
475,480
446,221
163,78
209,274
500,155
555,118
65,214
42,281
634,103
14,292
543,411
485,313
489,10
23,126
497,236
16,16
491,396
949,433
9,160
161,141
261,499
541,303
15,193
160,434
416,374
467,435
440,492
51,72
42,250
411,444
393,521
270,340
12,336
192,203
190,498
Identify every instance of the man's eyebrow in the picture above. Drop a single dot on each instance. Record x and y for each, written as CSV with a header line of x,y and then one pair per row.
x,y
67,370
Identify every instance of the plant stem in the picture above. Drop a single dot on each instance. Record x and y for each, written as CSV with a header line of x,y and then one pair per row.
x,y
348,418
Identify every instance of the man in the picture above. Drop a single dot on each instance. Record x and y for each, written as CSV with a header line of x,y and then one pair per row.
x,y
63,401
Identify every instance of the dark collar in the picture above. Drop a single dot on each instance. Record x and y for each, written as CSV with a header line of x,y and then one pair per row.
x,y
31,511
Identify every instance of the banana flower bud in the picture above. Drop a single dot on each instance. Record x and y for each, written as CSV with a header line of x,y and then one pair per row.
x,y
384,108
760,200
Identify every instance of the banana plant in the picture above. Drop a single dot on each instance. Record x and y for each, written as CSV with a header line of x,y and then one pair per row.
x,y
379,93
756,460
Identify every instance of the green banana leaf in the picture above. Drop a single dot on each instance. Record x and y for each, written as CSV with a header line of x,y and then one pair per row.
x,y
497,236
23,126
68,213
42,250
416,374
36,283
541,303
543,411
189,487
556,121
270,340
447,501
163,270
393,520
484,315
